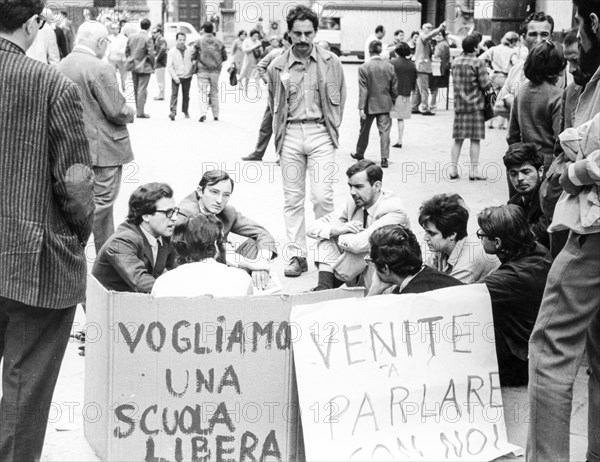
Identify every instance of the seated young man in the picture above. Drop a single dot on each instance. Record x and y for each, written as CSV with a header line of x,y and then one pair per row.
x,y
140,250
343,235
212,198
444,219
198,242
525,170
516,287
396,257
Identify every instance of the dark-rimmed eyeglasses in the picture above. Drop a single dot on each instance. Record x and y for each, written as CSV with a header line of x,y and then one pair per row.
x,y
40,21
172,212
480,234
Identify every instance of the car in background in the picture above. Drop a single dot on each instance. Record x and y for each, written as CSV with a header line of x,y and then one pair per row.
x,y
171,29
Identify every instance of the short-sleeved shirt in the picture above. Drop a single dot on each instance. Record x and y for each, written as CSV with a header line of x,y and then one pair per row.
x,y
304,99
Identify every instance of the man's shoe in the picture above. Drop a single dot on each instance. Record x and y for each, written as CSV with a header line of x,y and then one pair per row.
x,y
428,113
172,116
397,145
187,116
216,119
384,163
253,157
356,156
202,119
296,267
415,111
158,99
143,116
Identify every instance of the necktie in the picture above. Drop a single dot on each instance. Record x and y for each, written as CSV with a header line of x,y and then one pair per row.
x,y
365,219
155,250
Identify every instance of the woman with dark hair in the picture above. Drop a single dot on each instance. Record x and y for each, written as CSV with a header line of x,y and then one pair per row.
x,y
406,73
445,218
516,287
471,80
252,48
199,244
238,52
535,114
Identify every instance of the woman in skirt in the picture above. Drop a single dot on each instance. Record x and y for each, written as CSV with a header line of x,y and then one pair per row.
x,y
471,80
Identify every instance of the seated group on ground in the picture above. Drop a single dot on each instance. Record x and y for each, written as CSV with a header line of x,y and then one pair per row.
x,y
170,251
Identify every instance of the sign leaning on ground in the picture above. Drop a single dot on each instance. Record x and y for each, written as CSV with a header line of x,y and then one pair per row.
x,y
203,379
411,377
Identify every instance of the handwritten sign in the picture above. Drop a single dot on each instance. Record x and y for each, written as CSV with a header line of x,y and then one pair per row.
x,y
400,377
192,378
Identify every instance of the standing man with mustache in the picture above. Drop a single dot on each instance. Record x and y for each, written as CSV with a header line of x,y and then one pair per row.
x,y
307,93
569,319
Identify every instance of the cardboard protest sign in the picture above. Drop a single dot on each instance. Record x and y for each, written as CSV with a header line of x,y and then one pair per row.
x,y
400,377
204,379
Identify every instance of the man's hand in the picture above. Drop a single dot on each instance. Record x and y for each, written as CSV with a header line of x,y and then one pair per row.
x,y
567,184
362,114
378,286
260,279
176,80
351,227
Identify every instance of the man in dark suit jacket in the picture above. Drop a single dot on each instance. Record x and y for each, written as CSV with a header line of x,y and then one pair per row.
x,y
378,90
396,257
140,61
46,212
212,197
105,113
141,249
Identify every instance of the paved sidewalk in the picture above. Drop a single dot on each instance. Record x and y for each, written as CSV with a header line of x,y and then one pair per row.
x,y
178,153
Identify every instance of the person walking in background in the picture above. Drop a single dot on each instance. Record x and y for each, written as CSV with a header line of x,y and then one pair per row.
x,y
535,115
160,52
266,127
252,48
470,78
406,74
501,59
140,61
209,54
116,52
424,68
238,52
67,27
180,67
441,78
106,115
378,89
46,213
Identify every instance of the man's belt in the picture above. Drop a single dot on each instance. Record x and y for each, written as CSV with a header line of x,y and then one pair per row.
x,y
307,121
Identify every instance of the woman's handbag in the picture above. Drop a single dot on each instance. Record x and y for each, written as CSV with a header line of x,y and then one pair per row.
x,y
233,81
257,52
490,100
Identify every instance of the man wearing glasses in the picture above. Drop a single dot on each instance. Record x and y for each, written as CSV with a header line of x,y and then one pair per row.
x,y
396,257
46,185
140,250
106,115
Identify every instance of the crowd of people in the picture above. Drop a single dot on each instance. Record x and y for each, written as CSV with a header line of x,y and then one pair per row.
x,y
538,255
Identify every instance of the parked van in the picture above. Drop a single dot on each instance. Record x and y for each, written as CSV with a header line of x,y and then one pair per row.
x,y
172,28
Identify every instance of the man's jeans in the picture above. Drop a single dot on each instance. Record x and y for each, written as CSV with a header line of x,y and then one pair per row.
x,y
185,95
208,86
307,146
384,125
570,312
